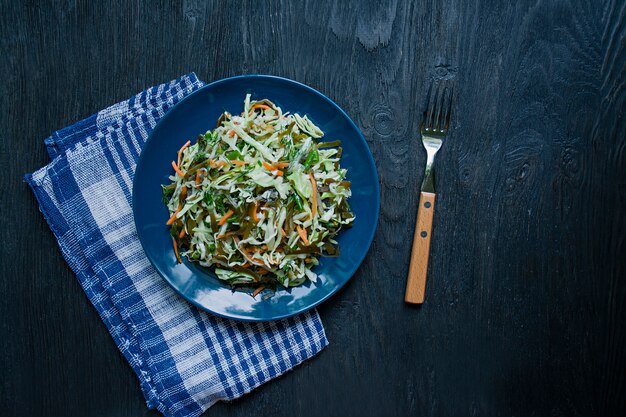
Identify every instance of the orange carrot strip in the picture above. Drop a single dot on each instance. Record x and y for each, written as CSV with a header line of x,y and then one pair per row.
x,y
217,164
279,173
225,217
232,133
253,214
259,106
282,231
173,218
178,171
238,162
183,194
314,195
176,251
198,177
258,290
269,167
281,164
182,233
302,233
180,151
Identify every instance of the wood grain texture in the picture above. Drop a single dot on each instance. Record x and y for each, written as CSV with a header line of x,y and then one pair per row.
x,y
420,251
526,292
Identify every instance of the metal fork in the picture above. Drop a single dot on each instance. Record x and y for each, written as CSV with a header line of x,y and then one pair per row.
x,y
434,129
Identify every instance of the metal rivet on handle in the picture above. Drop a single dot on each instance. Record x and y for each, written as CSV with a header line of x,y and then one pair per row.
x,y
423,234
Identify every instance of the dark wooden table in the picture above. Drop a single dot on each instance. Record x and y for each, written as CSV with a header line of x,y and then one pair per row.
x,y
526,294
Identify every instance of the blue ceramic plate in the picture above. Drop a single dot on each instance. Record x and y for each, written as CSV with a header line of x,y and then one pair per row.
x,y
198,113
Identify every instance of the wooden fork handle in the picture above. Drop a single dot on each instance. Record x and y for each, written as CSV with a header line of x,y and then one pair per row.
x,y
416,282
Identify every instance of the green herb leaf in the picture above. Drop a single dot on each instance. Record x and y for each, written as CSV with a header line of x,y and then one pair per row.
x,y
167,193
233,155
219,203
298,201
208,197
312,159
200,157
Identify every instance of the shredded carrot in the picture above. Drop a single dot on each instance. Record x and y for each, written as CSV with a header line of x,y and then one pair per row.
x,y
258,290
176,251
198,177
178,171
273,168
283,232
238,162
281,164
183,194
180,151
225,217
173,218
182,233
217,164
259,106
232,133
313,195
302,233
253,215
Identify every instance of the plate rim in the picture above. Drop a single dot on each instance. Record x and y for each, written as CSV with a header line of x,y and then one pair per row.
x,y
370,162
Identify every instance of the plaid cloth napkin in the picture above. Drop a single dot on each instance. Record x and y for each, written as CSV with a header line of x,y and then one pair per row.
x,y
185,359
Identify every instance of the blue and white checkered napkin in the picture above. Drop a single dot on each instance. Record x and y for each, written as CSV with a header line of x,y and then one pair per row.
x,y
185,359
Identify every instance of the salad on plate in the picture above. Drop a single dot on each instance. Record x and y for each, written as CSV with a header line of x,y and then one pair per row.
x,y
260,198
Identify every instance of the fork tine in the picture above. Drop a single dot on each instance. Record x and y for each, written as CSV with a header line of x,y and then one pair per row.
x,y
449,109
431,107
428,113
445,107
438,111
442,110
438,106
